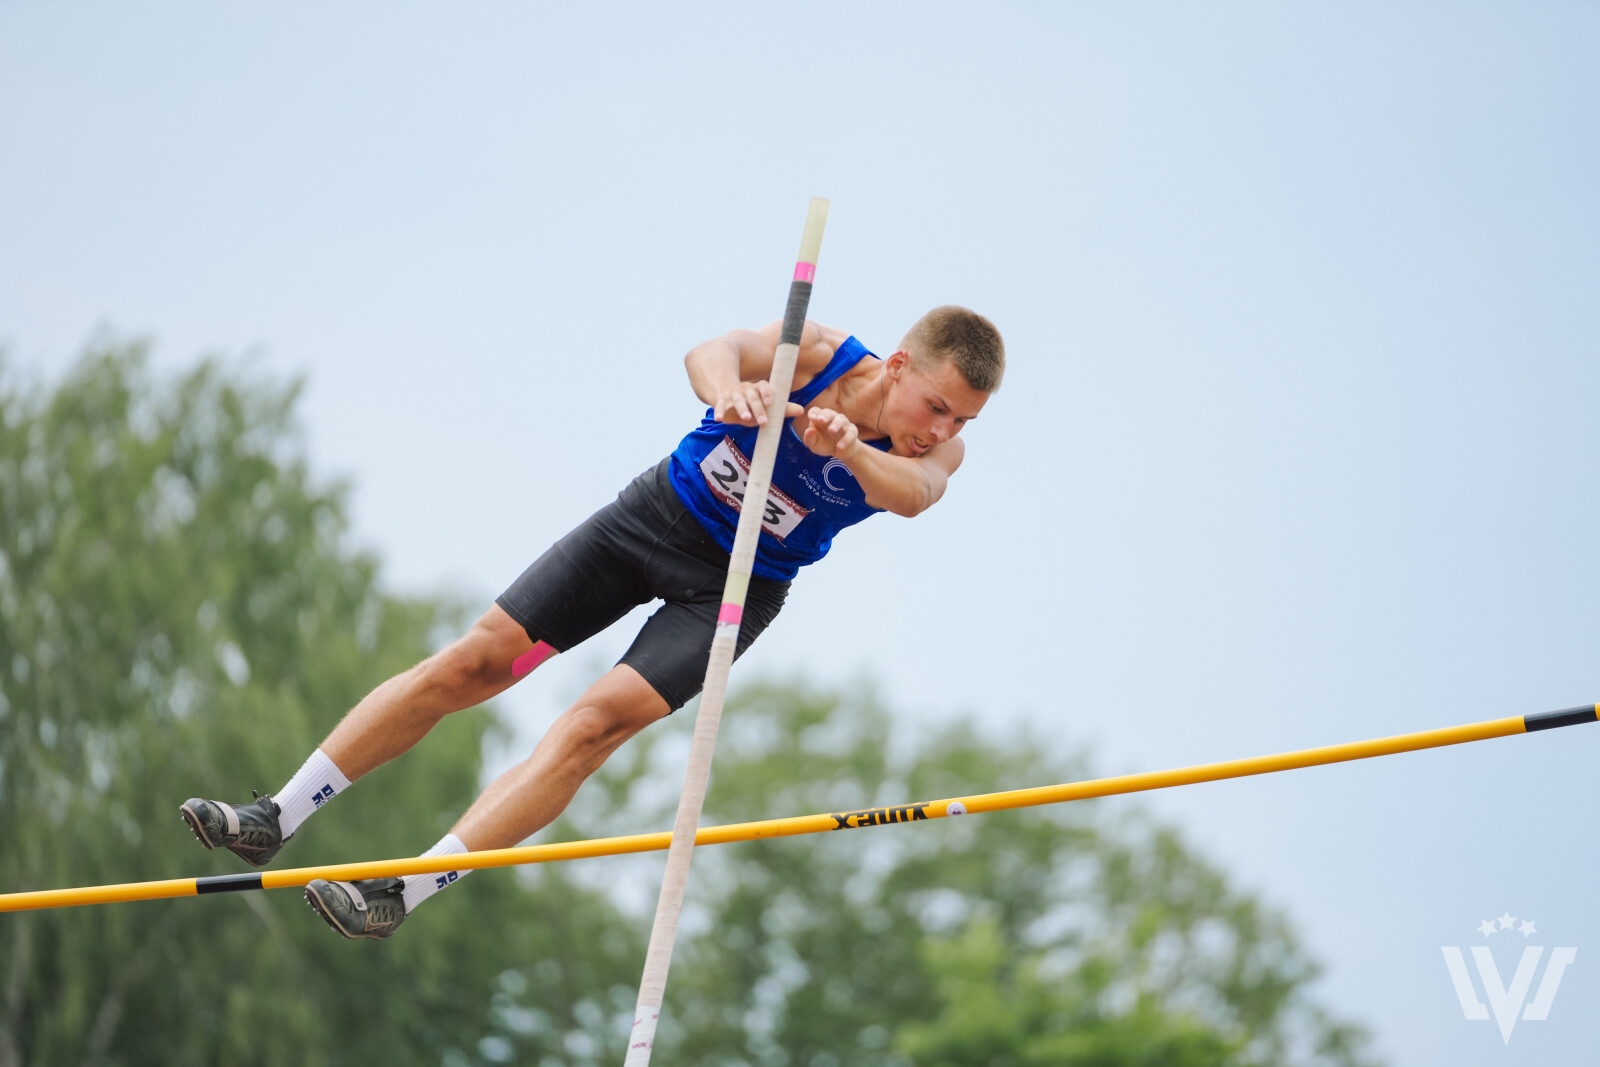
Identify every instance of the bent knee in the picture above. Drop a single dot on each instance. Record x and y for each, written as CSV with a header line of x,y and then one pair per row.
x,y
467,667
600,729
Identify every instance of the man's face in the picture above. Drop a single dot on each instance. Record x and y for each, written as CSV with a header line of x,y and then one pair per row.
x,y
926,405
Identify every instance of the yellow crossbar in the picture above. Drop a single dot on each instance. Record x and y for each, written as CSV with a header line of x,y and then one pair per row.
x,y
811,824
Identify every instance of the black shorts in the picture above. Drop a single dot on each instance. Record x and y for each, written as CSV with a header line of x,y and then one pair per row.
x,y
643,546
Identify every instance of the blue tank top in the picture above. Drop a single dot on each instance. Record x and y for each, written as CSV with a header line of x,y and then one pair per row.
x,y
813,497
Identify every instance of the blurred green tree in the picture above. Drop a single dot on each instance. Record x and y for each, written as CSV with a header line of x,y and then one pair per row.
x,y
179,616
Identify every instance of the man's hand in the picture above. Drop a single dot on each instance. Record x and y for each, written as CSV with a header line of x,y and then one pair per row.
x,y
746,403
731,373
830,434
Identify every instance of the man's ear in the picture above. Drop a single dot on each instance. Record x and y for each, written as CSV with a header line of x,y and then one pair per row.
x,y
897,363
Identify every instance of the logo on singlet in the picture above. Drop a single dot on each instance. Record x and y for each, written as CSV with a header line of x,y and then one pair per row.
x,y
727,473
827,473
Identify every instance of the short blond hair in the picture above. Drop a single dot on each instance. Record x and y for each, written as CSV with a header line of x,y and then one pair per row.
x,y
965,338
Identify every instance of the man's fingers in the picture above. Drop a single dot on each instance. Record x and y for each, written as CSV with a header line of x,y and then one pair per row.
x,y
849,444
747,405
734,410
830,433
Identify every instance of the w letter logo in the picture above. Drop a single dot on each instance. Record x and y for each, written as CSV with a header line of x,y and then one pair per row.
x,y
1507,1002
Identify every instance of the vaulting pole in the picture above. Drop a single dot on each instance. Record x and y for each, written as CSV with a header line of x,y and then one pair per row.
x,y
893,815
669,906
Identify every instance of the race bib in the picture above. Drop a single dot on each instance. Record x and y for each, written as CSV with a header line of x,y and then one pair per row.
x,y
727,474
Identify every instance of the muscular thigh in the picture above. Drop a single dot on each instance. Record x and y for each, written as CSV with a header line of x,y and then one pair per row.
x,y
584,582
674,646
643,546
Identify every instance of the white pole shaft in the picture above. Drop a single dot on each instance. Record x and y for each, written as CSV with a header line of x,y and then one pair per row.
x,y
664,932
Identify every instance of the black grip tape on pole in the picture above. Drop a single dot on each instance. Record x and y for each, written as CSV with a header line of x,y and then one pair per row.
x,y
794,316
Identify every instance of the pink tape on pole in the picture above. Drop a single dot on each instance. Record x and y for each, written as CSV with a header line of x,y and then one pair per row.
x,y
805,272
531,659
728,623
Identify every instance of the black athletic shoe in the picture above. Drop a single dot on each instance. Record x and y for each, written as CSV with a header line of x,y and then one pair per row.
x,y
249,831
372,907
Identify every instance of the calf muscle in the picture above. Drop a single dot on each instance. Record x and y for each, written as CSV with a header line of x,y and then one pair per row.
x,y
530,795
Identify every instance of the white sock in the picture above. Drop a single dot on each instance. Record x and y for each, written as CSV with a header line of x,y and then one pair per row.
x,y
318,781
420,887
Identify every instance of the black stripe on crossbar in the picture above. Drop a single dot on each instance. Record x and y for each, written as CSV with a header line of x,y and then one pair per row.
x,y
227,883
1550,720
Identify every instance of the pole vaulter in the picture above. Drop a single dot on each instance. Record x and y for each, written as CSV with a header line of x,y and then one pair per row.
x,y
837,433
892,815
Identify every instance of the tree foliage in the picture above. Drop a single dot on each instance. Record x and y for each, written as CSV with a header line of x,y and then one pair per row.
x,y
181,614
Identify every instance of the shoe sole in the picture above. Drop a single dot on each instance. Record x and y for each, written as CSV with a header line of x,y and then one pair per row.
x,y
197,828
317,906
194,825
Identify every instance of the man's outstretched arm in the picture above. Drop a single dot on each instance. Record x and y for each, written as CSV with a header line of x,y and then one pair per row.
x,y
905,485
730,373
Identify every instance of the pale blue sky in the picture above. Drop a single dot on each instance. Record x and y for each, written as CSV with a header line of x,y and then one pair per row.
x,y
1298,444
